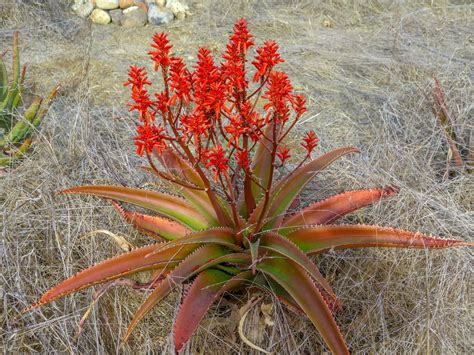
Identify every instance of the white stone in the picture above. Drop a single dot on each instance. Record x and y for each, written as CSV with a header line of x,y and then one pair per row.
x,y
100,17
107,4
160,3
130,9
82,8
159,15
176,6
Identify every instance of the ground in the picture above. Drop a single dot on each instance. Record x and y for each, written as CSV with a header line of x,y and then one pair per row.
x,y
367,70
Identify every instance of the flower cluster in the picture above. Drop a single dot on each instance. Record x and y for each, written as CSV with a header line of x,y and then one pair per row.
x,y
212,116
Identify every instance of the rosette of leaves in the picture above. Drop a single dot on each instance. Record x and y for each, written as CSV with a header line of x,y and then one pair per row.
x,y
234,225
16,128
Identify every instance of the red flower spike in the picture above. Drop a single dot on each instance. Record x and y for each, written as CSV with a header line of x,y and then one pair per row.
x,y
279,93
240,40
162,103
150,137
216,160
233,67
209,89
310,141
138,79
180,81
283,154
242,157
162,47
267,57
299,104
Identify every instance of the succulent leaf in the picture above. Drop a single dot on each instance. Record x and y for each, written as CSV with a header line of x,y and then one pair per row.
x,y
206,289
178,167
45,106
156,227
116,267
335,207
3,80
231,258
286,248
216,236
170,206
22,128
317,239
287,189
299,285
177,276
14,91
261,168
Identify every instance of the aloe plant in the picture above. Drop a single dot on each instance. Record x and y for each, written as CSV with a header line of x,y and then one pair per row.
x,y
233,226
16,128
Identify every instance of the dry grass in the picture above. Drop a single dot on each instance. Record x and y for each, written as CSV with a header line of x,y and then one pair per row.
x,y
365,77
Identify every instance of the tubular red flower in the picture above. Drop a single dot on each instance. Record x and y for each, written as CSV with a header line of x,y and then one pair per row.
x,y
162,47
240,40
180,81
162,103
217,161
233,67
150,137
310,141
137,78
242,157
283,154
209,88
196,125
279,93
299,104
267,57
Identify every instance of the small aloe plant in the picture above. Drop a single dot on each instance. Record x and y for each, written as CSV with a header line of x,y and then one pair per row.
x,y
459,147
234,225
15,128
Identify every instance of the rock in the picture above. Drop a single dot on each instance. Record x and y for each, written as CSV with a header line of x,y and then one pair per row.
x,y
83,8
160,3
107,4
159,15
143,6
124,4
100,17
116,16
176,7
134,17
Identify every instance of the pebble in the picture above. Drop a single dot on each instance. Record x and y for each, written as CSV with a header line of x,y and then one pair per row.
x,y
176,7
124,4
82,8
100,17
159,16
107,4
116,16
134,17
160,3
